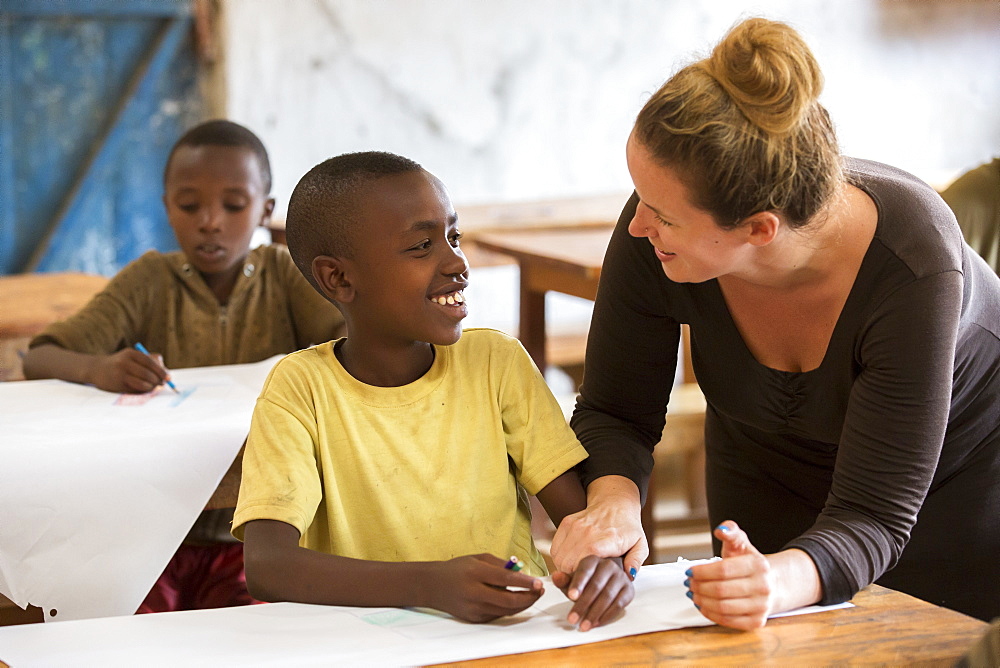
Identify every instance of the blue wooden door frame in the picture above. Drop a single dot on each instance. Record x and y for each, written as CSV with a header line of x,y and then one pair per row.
x,y
173,25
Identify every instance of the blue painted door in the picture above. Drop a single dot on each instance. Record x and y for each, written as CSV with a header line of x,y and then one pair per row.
x,y
93,93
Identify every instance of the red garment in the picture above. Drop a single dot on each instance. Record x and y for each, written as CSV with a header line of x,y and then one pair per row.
x,y
199,577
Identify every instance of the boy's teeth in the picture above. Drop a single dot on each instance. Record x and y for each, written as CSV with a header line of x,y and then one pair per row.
x,y
449,300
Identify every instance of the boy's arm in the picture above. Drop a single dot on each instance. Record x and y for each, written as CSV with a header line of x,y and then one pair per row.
x,y
599,587
563,496
127,370
473,588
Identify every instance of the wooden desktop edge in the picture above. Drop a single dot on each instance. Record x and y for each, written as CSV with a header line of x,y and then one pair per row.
x,y
883,627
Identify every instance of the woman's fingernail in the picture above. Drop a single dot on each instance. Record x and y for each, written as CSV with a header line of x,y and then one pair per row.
x,y
687,583
632,572
697,606
688,572
690,594
723,528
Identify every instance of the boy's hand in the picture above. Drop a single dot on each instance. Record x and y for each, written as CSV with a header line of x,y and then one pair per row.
x,y
474,588
600,589
127,370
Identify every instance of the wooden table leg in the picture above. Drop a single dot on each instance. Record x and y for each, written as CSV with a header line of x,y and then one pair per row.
x,y
531,326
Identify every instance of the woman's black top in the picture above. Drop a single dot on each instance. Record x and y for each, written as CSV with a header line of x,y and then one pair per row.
x,y
884,462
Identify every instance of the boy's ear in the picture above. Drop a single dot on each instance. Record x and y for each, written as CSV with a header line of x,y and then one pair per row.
x,y
265,217
331,276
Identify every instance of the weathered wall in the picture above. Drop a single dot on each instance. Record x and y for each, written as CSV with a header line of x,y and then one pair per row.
x,y
522,99
527,99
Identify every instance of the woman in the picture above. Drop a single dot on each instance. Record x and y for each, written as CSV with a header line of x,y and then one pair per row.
x,y
846,339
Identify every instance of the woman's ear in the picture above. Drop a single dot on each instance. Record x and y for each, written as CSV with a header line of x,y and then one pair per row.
x,y
330,274
762,227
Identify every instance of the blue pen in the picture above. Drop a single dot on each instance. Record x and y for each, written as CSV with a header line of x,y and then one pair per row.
x,y
142,349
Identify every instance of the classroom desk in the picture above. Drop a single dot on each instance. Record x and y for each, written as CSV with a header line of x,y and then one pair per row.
x,y
563,259
30,302
885,627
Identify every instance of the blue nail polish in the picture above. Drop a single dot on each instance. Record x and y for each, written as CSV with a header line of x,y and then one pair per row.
x,y
688,572
697,606
723,528
632,572
690,594
687,583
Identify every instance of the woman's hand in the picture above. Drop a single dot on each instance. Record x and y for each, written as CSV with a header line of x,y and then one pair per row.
x,y
745,587
599,589
610,526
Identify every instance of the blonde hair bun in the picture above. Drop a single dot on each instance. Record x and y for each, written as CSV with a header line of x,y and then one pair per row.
x,y
744,127
768,71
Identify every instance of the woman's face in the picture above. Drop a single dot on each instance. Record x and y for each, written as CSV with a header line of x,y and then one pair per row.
x,y
690,246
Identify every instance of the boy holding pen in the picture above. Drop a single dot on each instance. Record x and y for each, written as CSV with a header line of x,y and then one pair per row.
x,y
392,467
214,302
142,349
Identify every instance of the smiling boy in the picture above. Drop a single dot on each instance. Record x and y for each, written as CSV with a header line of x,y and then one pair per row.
x,y
215,302
392,467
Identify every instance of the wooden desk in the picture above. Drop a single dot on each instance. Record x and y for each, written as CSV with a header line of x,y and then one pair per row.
x,y
885,627
563,259
31,302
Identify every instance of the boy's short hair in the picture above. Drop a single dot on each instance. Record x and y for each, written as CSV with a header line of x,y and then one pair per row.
x,y
323,208
225,133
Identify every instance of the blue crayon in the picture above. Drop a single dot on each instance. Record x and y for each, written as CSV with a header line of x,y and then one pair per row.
x,y
142,349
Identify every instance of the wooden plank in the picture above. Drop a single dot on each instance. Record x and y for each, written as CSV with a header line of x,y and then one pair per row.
x,y
8,192
885,627
153,64
30,302
11,614
575,211
95,8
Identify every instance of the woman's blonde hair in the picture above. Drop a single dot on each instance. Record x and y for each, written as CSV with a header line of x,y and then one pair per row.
x,y
744,129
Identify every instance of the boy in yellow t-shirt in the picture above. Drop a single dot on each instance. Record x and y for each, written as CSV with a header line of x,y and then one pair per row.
x,y
392,467
215,301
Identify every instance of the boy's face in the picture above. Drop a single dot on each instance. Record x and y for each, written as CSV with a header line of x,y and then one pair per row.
x,y
215,198
406,262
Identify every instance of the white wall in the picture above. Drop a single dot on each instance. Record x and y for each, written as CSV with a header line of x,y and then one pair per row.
x,y
528,99
524,99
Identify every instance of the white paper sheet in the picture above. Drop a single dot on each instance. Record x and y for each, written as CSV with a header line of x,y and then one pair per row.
x,y
97,489
290,634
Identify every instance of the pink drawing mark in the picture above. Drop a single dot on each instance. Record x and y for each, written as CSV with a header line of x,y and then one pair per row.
x,y
135,399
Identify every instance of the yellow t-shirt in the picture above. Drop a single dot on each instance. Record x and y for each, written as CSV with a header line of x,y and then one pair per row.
x,y
428,471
